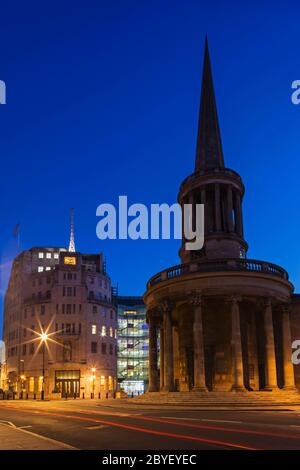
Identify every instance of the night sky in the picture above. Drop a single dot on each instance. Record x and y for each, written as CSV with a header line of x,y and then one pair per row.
x,y
102,101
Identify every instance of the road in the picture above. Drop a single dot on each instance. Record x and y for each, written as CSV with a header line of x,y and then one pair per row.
x,y
119,425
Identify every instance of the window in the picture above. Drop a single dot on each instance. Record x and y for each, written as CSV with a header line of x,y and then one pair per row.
x,y
40,269
103,348
111,332
41,255
40,384
74,291
68,328
74,308
103,330
64,291
94,347
43,308
56,256
24,350
31,384
69,291
110,349
69,276
116,333
69,308
48,255
94,308
94,329
48,268
31,350
63,308
79,328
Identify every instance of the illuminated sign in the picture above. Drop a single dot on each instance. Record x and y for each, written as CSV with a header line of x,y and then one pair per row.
x,y
70,260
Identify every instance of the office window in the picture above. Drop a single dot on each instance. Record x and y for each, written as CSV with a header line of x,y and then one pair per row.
x,y
48,255
103,330
40,269
56,256
94,347
41,255
94,329
111,332
48,268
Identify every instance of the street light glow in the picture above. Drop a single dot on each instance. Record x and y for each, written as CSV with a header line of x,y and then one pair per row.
x,y
44,337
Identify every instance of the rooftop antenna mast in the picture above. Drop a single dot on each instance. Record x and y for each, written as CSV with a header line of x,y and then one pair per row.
x,y
72,240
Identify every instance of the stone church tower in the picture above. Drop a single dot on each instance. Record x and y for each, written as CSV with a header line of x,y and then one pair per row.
x,y
223,321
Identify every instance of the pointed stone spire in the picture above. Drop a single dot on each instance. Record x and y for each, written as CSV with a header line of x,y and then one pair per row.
x,y
72,240
209,153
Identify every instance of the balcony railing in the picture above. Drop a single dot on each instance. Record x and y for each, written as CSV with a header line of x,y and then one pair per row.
x,y
218,265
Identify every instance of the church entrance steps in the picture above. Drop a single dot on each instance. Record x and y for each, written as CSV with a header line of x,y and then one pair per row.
x,y
276,398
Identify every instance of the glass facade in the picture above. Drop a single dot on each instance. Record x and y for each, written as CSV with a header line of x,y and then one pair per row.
x,y
133,345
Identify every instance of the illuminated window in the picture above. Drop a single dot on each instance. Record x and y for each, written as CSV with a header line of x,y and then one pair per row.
x,y
102,382
111,332
31,384
94,329
115,333
48,268
40,384
41,255
48,255
56,256
40,269
70,260
103,330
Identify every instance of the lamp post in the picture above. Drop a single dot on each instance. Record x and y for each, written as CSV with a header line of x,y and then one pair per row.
x,y
93,379
44,338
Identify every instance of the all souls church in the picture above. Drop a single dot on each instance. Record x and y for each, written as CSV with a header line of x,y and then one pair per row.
x,y
224,322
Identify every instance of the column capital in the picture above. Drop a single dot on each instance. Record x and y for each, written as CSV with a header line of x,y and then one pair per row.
x,y
234,299
167,305
195,297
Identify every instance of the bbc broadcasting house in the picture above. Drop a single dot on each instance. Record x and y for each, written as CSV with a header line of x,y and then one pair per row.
x,y
60,325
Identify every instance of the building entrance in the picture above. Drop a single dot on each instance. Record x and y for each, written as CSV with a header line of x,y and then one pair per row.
x,y
67,382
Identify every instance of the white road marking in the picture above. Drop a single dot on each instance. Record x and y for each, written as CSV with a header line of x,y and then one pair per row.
x,y
222,421
173,417
94,428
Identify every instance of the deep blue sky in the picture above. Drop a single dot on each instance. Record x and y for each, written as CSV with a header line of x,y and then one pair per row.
x,y
102,100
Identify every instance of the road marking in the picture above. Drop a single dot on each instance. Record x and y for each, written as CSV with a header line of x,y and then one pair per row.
x,y
94,428
48,439
222,421
185,419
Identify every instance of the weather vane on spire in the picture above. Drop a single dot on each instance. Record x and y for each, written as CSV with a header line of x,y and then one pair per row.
x,y
72,241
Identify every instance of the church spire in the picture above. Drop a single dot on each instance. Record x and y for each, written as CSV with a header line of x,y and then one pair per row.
x,y
72,240
209,153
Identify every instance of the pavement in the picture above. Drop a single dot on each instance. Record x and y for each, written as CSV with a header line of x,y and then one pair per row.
x,y
123,425
16,438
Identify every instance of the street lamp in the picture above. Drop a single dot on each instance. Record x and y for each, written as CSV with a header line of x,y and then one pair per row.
x,y
44,338
93,379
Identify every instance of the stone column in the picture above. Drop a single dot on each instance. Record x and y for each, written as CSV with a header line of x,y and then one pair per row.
x,y
199,366
270,357
239,217
217,207
288,368
236,342
162,358
229,209
153,375
168,349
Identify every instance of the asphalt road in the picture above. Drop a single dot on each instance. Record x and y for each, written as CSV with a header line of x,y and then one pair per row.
x,y
116,426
